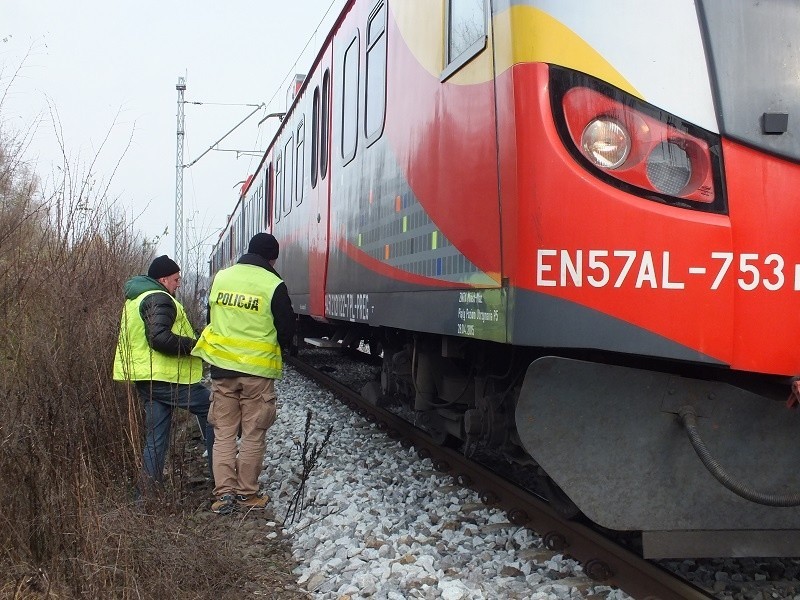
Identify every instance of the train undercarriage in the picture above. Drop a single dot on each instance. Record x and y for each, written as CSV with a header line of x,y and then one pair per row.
x,y
604,439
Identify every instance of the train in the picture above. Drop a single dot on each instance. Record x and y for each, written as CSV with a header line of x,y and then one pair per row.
x,y
569,230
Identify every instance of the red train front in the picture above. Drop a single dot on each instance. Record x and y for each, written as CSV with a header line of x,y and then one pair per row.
x,y
562,223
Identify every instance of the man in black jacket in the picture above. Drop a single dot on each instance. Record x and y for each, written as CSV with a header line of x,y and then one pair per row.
x,y
250,321
154,352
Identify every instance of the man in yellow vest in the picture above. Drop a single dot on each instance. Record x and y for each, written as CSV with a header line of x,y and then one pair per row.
x,y
154,352
250,320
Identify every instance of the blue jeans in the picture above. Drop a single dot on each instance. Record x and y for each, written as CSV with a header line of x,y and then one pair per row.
x,y
159,399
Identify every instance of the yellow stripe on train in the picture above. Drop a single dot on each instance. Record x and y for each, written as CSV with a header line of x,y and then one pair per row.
x,y
522,34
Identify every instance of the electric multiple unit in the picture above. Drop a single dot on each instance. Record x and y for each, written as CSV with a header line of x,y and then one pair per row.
x,y
567,225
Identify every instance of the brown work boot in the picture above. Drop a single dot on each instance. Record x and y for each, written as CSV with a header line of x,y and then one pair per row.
x,y
225,505
253,501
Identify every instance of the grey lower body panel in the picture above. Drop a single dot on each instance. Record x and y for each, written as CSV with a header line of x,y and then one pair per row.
x,y
560,323
610,437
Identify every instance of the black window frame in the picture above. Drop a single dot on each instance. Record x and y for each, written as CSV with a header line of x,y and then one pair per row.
x,y
376,48
325,125
268,197
300,161
315,137
350,99
288,175
277,207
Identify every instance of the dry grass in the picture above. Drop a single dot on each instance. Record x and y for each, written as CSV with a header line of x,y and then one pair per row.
x,y
171,547
70,438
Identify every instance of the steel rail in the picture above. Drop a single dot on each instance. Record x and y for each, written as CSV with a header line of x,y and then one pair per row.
x,y
602,559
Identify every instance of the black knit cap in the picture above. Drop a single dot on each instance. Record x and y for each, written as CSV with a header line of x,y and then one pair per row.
x,y
162,266
265,245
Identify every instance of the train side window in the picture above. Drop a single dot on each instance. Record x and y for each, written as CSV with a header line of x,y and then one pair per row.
x,y
324,124
255,209
315,138
350,68
267,207
255,212
288,172
300,163
254,220
246,218
278,206
243,226
375,84
465,33
248,221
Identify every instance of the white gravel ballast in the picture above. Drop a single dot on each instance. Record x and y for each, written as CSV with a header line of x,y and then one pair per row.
x,y
378,522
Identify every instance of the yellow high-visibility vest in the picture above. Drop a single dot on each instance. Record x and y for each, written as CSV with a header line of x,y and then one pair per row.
x,y
135,360
241,335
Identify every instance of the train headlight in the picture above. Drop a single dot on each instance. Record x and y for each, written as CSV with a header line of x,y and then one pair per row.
x,y
636,146
606,143
669,168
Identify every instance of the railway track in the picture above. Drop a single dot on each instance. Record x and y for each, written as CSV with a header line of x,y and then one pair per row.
x,y
603,560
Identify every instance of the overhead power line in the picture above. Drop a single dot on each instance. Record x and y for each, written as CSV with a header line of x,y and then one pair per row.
x,y
210,148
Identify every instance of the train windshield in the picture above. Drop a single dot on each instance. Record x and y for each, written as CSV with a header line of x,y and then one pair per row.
x,y
755,62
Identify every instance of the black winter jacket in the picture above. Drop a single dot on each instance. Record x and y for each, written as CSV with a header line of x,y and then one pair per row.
x,y
158,313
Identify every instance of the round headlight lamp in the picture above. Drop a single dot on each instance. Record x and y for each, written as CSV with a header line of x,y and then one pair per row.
x,y
606,143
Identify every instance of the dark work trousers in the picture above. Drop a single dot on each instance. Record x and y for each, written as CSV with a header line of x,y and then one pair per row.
x,y
159,399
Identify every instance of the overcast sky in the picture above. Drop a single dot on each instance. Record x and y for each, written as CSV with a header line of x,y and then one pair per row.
x,y
110,69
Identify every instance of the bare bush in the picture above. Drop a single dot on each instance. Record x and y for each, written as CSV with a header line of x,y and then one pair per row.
x,y
70,438
63,446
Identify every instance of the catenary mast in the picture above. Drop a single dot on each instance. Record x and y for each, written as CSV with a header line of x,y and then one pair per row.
x,y
179,258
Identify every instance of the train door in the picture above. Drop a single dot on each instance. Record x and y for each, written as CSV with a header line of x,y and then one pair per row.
x,y
320,89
